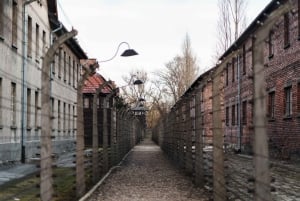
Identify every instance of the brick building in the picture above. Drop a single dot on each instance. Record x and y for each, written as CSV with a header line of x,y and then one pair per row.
x,y
91,86
282,73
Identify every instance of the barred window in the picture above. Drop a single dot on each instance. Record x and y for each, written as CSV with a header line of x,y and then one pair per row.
x,y
13,103
286,30
37,42
29,37
244,60
227,76
58,116
233,117
36,108
244,112
28,107
227,116
271,45
233,69
288,101
15,24
271,105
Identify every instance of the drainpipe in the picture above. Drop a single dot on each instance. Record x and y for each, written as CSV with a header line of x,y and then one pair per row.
x,y
24,91
240,106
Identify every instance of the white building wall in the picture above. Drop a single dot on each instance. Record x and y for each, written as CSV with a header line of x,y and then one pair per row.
x,y
11,71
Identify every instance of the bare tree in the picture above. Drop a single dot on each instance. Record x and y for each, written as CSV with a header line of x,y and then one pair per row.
x,y
179,73
231,23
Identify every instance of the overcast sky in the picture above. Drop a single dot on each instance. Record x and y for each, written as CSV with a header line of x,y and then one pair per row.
x,y
154,28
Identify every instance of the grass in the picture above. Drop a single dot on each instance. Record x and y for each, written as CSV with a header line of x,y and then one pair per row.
x,y
27,188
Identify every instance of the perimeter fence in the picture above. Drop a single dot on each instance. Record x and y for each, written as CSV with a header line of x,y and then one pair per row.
x,y
236,130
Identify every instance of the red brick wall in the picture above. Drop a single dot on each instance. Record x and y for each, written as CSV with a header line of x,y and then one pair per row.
x,y
280,70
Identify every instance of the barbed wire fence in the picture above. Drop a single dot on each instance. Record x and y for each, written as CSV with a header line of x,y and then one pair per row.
x,y
195,136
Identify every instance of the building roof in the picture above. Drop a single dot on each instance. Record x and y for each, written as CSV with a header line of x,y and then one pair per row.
x,y
55,23
93,82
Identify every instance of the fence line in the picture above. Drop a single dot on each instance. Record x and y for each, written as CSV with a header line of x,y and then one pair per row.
x,y
231,158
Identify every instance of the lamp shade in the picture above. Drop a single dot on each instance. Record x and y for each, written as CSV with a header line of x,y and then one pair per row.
x,y
138,82
129,52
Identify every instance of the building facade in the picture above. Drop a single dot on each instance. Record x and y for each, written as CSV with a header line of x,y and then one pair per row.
x,y
281,74
27,30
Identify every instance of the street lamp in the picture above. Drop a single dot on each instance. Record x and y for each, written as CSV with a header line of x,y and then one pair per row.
x,y
127,53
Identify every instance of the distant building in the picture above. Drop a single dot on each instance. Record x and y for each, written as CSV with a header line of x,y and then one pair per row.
x,y
92,84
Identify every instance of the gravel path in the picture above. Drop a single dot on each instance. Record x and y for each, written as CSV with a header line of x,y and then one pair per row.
x,y
147,175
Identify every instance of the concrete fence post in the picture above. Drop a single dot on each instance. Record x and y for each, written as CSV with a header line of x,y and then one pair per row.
x,y
219,188
262,189
46,188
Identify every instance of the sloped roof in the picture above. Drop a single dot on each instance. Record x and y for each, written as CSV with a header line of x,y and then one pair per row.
x,y
93,82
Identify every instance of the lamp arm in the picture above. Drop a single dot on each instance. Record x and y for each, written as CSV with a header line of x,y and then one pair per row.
x,y
116,52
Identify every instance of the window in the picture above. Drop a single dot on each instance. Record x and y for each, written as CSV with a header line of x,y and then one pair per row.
x,y
77,74
244,60
227,116
13,103
73,76
36,108
244,112
286,30
28,107
44,41
65,67
70,66
69,118
52,112
37,42
1,19
58,116
288,101
271,105
238,121
233,69
233,115
74,117
271,45
29,37
15,24
60,52
64,117
226,76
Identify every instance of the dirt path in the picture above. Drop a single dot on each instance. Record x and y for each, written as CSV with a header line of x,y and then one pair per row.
x,y
147,175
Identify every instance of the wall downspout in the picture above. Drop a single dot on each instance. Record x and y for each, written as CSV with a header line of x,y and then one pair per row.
x,y
239,105
24,91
